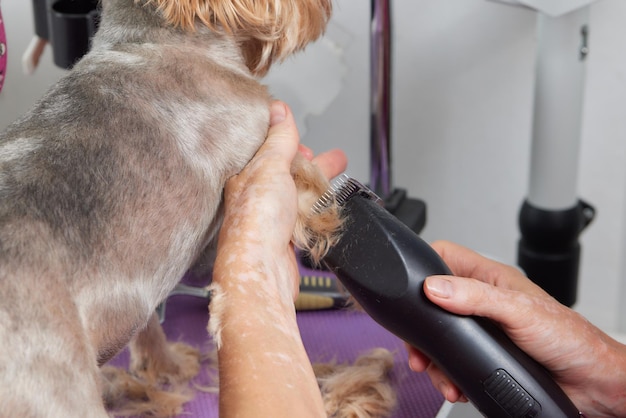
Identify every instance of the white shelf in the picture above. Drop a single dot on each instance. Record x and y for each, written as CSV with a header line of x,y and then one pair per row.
x,y
552,8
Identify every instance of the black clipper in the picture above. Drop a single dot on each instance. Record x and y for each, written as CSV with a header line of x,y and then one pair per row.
x,y
383,264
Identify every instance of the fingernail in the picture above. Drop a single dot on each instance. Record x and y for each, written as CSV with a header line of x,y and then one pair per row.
x,y
440,287
306,152
443,389
278,113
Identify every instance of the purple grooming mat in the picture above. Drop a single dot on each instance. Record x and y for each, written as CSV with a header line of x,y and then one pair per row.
x,y
340,335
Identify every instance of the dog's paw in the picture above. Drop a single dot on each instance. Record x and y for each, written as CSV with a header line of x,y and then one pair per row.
x,y
129,395
177,363
185,363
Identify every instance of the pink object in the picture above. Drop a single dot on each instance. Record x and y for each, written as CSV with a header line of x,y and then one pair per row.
x,y
3,52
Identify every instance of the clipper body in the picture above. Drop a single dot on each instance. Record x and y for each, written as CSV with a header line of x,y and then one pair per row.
x,y
383,264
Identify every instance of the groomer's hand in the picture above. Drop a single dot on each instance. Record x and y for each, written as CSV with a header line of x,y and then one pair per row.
x,y
587,364
261,201
264,368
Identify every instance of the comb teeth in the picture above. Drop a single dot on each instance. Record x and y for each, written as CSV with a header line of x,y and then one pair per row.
x,y
342,189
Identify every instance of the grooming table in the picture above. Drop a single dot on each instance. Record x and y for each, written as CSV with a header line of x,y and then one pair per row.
x,y
340,335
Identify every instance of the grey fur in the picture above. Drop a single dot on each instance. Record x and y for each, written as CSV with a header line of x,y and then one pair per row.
x,y
110,188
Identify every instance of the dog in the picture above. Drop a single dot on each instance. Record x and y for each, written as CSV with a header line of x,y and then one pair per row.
x,y
110,190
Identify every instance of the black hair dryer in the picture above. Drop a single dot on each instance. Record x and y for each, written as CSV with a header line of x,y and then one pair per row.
x,y
68,25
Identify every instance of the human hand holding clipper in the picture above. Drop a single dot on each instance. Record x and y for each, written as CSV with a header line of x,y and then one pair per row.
x,y
384,264
588,364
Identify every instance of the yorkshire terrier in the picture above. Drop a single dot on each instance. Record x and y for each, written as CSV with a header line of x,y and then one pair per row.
x,y
110,189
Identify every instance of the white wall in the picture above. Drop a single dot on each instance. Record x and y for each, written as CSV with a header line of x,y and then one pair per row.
x,y
20,90
463,85
463,79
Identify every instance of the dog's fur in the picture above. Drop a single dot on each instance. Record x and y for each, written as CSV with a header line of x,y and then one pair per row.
x,y
360,390
110,188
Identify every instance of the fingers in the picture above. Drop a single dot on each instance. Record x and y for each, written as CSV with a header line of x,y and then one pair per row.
x,y
534,321
439,380
522,315
465,296
331,163
306,152
273,159
418,362
280,147
282,138
467,263
460,295
473,297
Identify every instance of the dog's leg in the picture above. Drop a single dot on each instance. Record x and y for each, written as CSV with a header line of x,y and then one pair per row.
x,y
47,366
159,373
349,391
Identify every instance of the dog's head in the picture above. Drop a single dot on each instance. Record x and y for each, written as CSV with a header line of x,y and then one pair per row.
x,y
267,30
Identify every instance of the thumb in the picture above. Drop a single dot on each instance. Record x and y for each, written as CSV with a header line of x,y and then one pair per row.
x,y
282,137
465,296
278,112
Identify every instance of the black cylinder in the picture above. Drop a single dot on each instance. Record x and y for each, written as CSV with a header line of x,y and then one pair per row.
x,y
40,16
549,251
72,25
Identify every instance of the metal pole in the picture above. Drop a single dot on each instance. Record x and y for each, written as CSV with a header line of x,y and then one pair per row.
x,y
410,211
559,85
380,90
552,217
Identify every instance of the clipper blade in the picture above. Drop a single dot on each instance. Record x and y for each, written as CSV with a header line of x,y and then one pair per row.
x,y
342,189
